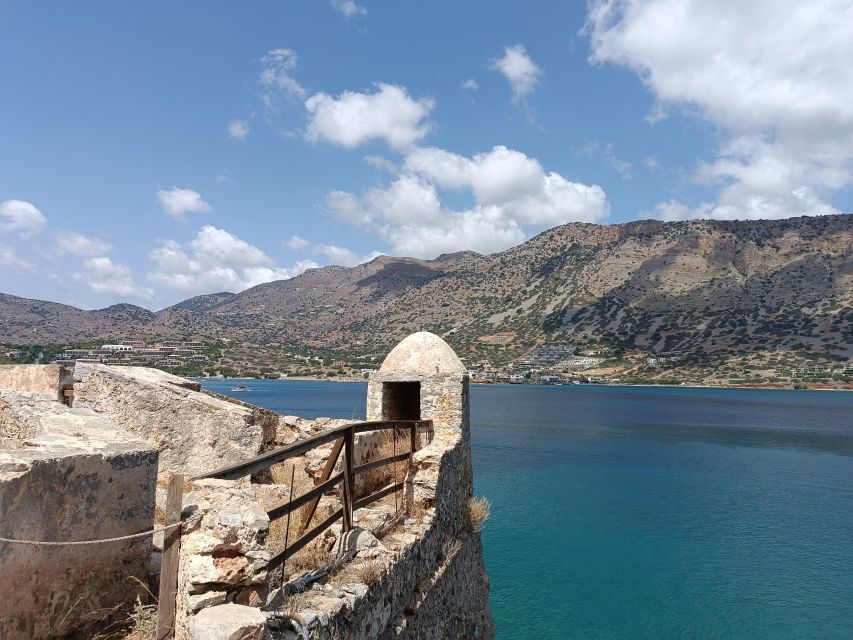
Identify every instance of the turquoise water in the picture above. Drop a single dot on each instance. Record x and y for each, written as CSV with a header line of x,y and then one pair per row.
x,y
622,512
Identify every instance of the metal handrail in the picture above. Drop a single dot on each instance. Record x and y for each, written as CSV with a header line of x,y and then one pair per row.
x,y
344,438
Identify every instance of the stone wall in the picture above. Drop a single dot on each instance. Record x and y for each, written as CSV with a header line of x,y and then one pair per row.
x,y
44,379
433,582
73,475
195,432
223,554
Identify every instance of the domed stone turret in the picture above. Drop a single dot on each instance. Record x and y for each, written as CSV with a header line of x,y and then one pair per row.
x,y
424,353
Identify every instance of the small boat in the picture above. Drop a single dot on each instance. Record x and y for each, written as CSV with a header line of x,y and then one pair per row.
x,y
240,387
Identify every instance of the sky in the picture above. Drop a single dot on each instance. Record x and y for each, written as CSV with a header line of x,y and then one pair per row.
x,y
150,152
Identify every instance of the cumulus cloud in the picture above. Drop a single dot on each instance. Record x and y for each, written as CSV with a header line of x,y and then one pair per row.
x,y
333,254
238,129
296,243
519,70
216,260
342,256
348,9
470,84
77,244
105,277
178,202
22,218
9,258
351,119
513,196
774,78
276,78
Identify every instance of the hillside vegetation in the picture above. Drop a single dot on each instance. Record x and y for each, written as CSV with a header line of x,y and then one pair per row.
x,y
714,294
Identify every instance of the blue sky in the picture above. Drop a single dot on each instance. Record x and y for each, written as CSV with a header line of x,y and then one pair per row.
x,y
154,151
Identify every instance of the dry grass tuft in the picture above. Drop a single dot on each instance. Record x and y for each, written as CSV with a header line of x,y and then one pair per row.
x,y
477,513
143,622
302,483
393,442
312,557
140,623
368,572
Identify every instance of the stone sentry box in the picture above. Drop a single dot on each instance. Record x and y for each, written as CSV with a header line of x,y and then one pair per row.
x,y
422,378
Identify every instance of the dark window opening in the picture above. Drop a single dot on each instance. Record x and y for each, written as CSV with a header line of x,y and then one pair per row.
x,y
401,400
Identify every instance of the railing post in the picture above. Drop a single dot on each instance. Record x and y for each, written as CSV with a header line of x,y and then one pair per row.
x,y
169,563
349,478
413,431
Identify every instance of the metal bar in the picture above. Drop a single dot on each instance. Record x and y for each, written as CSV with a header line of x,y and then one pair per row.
x,y
382,425
287,528
315,493
304,539
349,478
380,463
373,497
169,562
394,453
331,461
266,460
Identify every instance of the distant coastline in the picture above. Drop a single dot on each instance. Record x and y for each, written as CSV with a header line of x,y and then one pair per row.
x,y
351,379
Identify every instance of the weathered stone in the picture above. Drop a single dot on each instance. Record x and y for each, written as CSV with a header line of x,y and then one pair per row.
x,y
42,379
358,540
207,599
228,622
77,476
224,548
194,431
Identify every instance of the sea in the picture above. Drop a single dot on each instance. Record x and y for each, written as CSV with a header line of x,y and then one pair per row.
x,y
650,512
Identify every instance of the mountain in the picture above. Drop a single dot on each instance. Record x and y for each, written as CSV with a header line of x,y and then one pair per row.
x,y
126,314
203,302
25,321
702,291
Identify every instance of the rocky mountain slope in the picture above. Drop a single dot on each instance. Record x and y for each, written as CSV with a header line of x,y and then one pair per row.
x,y
701,290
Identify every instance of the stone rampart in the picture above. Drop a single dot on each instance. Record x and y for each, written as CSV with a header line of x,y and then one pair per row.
x,y
195,432
72,475
44,379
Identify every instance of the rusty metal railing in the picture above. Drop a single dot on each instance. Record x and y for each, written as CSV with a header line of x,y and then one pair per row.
x,y
344,440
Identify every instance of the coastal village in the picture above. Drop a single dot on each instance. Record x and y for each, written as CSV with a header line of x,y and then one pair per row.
x,y
550,364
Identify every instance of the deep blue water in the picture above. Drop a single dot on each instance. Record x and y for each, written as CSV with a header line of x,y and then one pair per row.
x,y
628,512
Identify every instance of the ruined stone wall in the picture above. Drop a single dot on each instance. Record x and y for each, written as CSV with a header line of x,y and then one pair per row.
x,y
45,379
73,476
195,432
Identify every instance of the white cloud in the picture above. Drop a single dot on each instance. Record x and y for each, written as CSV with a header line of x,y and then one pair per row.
x,y
342,256
238,129
276,77
179,202
216,260
352,119
605,150
77,244
513,196
348,9
8,258
296,243
519,70
381,163
773,76
333,253
105,277
21,217
470,84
